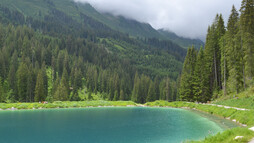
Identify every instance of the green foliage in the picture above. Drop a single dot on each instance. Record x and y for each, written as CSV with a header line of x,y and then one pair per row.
x,y
229,136
233,54
187,78
226,64
73,51
244,117
22,77
151,93
242,100
181,41
66,104
39,89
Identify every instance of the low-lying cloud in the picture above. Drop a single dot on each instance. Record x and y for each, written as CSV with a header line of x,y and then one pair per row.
x,y
187,18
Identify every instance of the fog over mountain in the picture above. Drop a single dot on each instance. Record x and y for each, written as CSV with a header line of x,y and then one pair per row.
x,y
187,18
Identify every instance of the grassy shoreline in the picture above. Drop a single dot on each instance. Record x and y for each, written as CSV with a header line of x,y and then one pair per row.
x,y
241,117
64,104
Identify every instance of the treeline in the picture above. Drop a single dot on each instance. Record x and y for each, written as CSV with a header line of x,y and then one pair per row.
x,y
146,90
57,58
36,67
226,64
149,56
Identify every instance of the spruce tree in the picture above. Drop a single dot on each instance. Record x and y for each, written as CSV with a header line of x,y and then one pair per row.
x,y
12,79
39,89
157,88
22,81
31,83
122,97
2,66
115,96
1,91
151,93
187,80
45,78
234,53
168,90
135,91
247,35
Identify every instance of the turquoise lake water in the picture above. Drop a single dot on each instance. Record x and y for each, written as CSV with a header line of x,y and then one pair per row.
x,y
105,125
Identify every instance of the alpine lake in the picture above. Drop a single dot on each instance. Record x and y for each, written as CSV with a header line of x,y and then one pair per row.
x,y
108,125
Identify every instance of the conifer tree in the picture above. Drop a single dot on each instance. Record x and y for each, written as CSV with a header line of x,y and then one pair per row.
x,y
157,88
115,96
247,35
122,95
187,80
151,93
213,55
168,90
233,53
12,79
219,50
135,90
1,91
39,89
77,84
31,82
22,77
45,79
61,93
2,65
200,88
90,94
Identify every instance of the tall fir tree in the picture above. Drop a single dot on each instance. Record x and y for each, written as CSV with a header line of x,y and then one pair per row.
x,y
247,36
157,88
135,91
39,89
233,53
45,78
187,80
151,93
1,91
200,89
22,81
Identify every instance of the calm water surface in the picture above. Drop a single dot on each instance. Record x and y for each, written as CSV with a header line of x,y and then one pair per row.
x,y
106,125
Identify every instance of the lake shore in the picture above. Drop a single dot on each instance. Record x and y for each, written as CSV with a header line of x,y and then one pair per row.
x,y
241,117
214,110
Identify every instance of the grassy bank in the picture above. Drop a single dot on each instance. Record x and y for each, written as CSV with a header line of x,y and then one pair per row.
x,y
242,100
64,104
244,117
229,136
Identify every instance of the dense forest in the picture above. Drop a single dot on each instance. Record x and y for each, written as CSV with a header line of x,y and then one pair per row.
x,y
57,58
226,64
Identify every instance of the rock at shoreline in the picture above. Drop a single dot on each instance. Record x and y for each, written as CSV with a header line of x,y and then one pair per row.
x,y
252,128
238,137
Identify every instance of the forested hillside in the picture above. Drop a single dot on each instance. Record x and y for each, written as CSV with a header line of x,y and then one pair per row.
x,y
40,9
226,64
49,55
183,42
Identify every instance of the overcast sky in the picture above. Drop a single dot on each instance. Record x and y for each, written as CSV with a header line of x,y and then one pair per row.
x,y
187,18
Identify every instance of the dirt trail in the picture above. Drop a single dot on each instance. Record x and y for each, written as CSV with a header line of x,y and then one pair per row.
x,y
228,107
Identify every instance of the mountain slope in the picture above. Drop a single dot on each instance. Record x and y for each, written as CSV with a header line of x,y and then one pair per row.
x,y
181,41
137,29
58,18
38,9
49,54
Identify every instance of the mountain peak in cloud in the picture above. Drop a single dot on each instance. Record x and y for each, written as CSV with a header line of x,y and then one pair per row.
x,y
187,18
